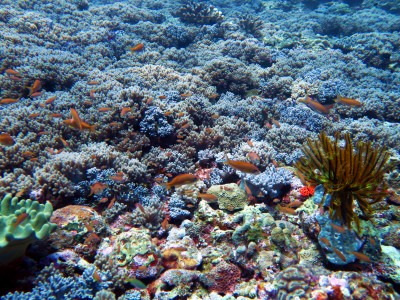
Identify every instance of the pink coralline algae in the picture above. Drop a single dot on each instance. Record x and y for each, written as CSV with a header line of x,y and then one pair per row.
x,y
224,277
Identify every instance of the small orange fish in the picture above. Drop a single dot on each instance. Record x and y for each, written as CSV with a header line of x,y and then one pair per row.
x,y
187,125
91,93
179,141
242,166
361,256
34,115
180,114
162,97
96,276
276,123
6,139
215,116
125,110
97,188
34,159
340,254
250,143
36,94
50,100
37,85
118,177
27,154
180,180
164,223
55,115
137,47
149,101
295,203
326,241
93,82
77,123
20,219
111,204
315,105
208,130
103,200
64,142
42,133
88,103
11,72
207,197
140,207
348,101
186,95
168,113
286,210
88,127
8,101
15,78
254,157
104,109
338,228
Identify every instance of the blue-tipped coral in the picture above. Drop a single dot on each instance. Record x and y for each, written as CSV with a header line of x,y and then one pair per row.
x,y
22,222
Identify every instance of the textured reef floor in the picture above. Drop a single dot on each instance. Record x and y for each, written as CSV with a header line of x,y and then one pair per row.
x,y
200,150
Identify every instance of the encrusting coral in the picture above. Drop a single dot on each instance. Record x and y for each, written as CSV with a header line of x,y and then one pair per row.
x,y
346,175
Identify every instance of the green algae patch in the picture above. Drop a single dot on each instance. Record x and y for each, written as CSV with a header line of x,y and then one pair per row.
x,y
230,196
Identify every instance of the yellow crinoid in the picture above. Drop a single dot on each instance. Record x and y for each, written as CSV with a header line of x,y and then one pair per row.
x,y
347,174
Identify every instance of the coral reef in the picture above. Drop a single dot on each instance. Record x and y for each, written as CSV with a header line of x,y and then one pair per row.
x,y
104,103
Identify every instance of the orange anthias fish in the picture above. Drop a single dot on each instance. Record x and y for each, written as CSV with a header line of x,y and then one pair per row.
x,y
181,180
11,72
315,105
119,176
104,109
77,123
242,166
22,217
137,47
125,110
96,188
50,100
37,85
207,197
6,139
348,101
8,101
361,256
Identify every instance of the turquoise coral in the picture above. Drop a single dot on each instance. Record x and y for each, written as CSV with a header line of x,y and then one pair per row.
x,y
16,231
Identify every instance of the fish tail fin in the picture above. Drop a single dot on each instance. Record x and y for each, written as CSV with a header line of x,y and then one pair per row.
x,y
227,159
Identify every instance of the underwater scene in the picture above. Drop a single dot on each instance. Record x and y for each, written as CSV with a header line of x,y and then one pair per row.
x,y
216,149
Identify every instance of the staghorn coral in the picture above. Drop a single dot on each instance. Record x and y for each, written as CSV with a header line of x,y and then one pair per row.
x,y
251,25
199,13
348,176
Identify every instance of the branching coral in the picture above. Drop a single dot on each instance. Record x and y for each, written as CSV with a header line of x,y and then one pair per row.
x,y
251,24
199,13
347,174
